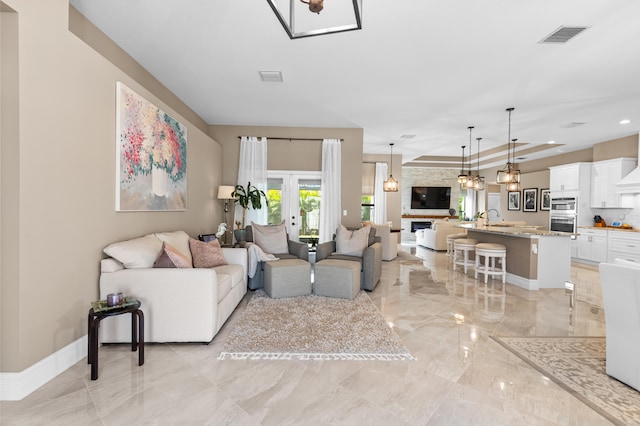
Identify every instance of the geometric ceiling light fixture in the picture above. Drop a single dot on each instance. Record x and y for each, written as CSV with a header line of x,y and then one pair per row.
x,y
469,184
302,18
390,185
514,181
509,174
478,181
462,177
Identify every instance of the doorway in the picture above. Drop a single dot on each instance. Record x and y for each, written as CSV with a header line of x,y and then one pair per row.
x,y
294,196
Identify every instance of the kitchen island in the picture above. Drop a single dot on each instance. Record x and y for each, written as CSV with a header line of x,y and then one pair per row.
x,y
536,258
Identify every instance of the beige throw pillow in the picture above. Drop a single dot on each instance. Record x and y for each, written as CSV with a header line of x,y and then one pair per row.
x,y
137,253
169,257
352,243
271,239
206,254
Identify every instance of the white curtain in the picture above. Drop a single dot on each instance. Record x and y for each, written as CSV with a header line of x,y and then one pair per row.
x,y
252,167
379,196
330,201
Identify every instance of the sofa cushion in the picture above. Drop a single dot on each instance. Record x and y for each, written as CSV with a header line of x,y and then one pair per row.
x,y
170,257
352,243
136,253
179,240
224,285
206,255
271,238
236,272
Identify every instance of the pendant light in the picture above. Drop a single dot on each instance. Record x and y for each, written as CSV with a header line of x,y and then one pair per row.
x,y
478,181
390,185
509,174
514,181
469,183
462,177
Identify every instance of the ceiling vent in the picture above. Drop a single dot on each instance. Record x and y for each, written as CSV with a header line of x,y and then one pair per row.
x,y
271,76
563,34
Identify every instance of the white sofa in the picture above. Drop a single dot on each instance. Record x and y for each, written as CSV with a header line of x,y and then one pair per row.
x,y
389,241
435,238
620,282
179,304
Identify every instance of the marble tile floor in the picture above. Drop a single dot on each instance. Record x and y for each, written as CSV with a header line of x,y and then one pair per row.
x,y
445,318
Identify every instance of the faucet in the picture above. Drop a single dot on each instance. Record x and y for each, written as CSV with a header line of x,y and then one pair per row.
x,y
497,213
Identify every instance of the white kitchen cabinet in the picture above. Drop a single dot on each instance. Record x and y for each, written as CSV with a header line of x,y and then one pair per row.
x,y
573,180
569,178
604,176
592,245
624,245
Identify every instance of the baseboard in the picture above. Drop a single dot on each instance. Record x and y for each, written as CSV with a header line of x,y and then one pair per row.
x,y
15,386
522,282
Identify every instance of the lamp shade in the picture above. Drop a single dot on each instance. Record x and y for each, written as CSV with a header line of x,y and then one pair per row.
x,y
225,191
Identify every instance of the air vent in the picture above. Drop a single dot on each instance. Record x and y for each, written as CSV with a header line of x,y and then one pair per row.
x,y
563,34
407,136
572,125
271,76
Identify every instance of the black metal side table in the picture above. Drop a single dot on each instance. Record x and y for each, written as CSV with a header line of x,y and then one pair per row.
x,y
100,311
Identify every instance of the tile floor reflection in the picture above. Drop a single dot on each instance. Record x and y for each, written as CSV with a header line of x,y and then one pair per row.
x,y
445,318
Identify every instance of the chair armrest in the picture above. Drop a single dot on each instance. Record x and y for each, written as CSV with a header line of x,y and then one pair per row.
x,y
372,266
298,249
237,256
323,250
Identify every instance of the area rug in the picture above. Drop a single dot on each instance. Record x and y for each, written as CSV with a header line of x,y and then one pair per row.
x,y
577,364
313,328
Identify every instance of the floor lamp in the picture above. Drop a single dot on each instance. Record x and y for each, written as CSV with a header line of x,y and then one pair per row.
x,y
224,193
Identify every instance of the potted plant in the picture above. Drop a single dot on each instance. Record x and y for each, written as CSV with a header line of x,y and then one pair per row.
x,y
247,197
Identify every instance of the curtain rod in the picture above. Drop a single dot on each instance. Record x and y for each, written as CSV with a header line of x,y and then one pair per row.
x,y
296,139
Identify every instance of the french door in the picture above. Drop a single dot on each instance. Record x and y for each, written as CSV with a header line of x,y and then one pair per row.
x,y
295,198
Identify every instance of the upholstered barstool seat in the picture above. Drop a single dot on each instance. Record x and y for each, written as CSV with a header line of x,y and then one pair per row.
x,y
450,239
492,253
462,247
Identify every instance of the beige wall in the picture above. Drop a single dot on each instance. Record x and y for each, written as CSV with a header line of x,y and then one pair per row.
x,y
299,155
58,179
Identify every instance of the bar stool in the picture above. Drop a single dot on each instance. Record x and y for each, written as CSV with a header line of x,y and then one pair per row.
x,y
450,239
462,247
492,253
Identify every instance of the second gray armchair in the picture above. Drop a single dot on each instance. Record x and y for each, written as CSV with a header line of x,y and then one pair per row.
x,y
370,261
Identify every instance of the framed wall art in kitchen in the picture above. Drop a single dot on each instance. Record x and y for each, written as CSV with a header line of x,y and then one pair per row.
x,y
513,200
530,196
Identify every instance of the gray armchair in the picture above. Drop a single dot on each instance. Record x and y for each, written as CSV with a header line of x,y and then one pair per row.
x,y
297,250
370,262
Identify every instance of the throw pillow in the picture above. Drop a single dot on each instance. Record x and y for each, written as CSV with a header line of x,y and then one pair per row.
x,y
271,239
352,243
178,239
169,257
206,254
137,253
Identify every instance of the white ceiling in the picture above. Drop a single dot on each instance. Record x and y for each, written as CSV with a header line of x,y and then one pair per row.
x,y
418,67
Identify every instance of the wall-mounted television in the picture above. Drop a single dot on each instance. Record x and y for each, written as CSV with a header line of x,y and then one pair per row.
x,y
430,197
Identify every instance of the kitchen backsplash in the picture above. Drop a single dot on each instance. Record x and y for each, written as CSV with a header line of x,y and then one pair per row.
x,y
630,216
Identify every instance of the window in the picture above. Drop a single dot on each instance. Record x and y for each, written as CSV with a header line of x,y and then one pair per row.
x,y
368,208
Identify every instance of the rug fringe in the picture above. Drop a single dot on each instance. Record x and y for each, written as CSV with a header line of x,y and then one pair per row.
x,y
316,357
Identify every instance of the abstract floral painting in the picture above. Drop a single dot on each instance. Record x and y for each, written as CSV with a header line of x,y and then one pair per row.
x,y
151,156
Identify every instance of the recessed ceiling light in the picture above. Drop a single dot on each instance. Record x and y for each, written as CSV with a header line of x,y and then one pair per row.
x,y
271,76
551,142
625,121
